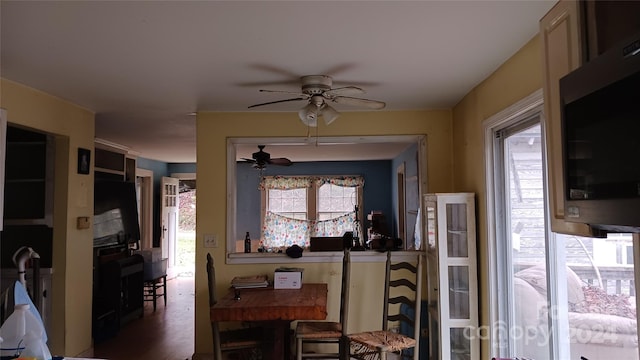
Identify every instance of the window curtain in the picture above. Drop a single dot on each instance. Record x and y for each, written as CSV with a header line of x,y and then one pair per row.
x,y
285,182
301,182
279,232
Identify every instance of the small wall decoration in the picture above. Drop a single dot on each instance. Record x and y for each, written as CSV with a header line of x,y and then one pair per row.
x,y
84,161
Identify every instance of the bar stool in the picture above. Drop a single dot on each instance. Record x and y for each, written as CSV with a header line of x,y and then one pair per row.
x,y
151,287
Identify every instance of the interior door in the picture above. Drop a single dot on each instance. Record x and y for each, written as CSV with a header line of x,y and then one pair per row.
x,y
169,224
402,223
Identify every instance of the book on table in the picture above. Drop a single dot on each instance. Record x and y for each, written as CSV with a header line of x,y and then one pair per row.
x,y
251,281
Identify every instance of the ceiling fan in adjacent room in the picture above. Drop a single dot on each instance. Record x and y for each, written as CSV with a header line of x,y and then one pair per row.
x,y
317,90
261,159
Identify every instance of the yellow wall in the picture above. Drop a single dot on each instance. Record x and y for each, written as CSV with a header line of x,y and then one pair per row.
x,y
72,248
518,77
212,132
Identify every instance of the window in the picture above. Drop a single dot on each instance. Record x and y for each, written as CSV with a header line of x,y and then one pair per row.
x,y
556,296
290,203
334,201
300,207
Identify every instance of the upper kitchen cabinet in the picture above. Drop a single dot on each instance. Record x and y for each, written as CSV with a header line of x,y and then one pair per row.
x,y
607,23
561,36
113,163
28,188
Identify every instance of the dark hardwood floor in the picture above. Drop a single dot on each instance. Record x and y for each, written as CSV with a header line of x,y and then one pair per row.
x,y
166,334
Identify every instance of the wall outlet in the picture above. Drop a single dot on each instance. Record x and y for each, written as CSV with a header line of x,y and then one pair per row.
x,y
210,241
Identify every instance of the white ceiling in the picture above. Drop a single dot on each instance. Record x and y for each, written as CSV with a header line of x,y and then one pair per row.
x,y
144,66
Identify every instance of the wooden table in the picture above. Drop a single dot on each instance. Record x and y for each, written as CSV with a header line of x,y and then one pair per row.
x,y
278,307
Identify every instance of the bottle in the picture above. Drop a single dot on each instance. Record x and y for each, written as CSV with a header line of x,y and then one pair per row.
x,y
15,327
247,243
35,348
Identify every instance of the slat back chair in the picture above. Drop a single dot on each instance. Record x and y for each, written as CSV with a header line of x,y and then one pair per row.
x,y
326,332
403,286
245,341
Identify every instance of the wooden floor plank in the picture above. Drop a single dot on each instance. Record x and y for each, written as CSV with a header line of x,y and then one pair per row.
x,y
166,334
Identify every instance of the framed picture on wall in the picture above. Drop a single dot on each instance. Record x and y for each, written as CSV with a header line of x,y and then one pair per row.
x,y
84,161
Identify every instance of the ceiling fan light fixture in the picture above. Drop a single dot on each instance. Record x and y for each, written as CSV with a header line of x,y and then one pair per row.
x,y
317,90
329,114
309,115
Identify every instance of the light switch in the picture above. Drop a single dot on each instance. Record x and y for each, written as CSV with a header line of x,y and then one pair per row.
x,y
210,241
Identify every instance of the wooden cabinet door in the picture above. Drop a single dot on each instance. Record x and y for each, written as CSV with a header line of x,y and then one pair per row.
x,y
561,52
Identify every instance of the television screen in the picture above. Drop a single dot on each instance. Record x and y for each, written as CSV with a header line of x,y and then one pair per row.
x,y
115,220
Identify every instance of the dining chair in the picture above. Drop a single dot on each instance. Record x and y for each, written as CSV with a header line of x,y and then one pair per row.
x,y
402,289
246,342
326,332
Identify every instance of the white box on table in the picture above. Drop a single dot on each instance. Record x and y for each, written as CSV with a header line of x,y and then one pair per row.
x,y
287,278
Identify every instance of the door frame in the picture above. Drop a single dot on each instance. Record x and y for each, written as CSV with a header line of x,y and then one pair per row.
x,y
402,198
169,221
3,145
145,207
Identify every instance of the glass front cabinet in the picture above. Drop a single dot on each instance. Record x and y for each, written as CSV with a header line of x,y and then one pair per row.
x,y
452,280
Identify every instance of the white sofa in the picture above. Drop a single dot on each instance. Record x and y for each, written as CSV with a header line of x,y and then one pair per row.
x,y
594,336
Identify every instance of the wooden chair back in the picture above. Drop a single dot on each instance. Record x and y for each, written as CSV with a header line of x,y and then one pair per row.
x,y
403,286
215,329
344,303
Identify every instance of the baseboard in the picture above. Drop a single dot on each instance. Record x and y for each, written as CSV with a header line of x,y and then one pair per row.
x,y
86,354
202,356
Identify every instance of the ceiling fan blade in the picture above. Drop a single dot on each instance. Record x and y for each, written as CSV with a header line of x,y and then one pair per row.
x,y
248,160
276,70
371,104
277,101
280,161
285,92
344,91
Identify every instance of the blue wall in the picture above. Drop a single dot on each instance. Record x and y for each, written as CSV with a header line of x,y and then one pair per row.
x,y
376,191
175,168
161,169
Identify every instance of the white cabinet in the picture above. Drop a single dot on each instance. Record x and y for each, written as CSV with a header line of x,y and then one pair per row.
x,y
561,53
452,280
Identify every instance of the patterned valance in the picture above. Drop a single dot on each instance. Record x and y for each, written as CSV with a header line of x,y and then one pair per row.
x,y
285,182
344,181
302,182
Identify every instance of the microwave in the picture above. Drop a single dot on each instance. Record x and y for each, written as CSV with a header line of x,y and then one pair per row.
x,y
600,114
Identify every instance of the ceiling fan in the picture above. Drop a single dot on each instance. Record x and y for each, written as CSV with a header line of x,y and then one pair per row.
x,y
317,90
260,159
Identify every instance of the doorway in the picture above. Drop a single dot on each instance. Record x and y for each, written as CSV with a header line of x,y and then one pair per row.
x,y
182,248
186,239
